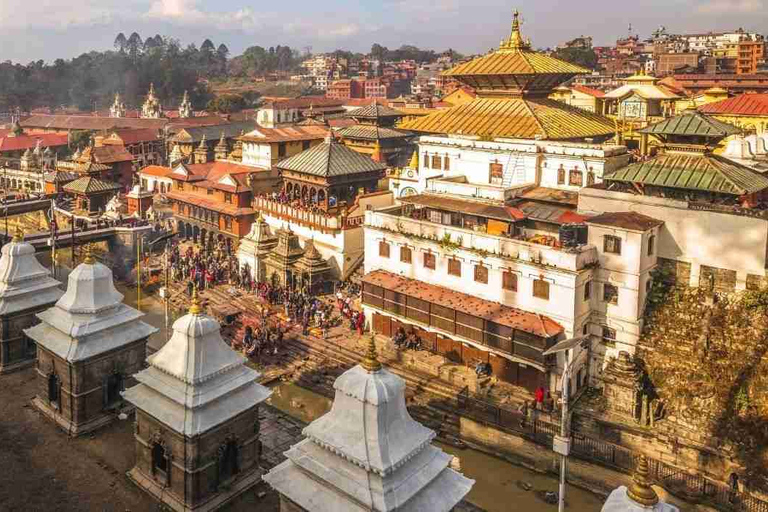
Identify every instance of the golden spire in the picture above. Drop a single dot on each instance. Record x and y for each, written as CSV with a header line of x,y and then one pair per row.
x,y
515,41
414,160
371,362
18,236
89,259
640,491
195,308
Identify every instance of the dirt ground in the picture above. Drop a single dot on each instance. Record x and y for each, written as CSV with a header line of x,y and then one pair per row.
x,y
42,469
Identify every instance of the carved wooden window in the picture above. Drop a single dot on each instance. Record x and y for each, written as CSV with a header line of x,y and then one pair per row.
x,y
436,162
612,244
446,163
429,260
611,294
590,178
496,173
227,197
426,160
561,176
481,274
405,254
383,249
541,289
576,178
454,267
509,281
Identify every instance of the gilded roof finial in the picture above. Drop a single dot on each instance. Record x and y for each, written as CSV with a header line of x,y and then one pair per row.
x,y
195,308
89,259
640,491
515,41
371,362
18,236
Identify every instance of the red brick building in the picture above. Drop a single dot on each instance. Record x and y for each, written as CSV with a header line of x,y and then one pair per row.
x,y
345,89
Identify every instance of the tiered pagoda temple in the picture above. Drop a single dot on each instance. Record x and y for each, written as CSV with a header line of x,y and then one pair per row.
x,y
89,344
367,454
197,418
374,134
512,85
26,288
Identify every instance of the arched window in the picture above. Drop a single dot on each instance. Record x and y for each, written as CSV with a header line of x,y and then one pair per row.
x,y
160,465
53,388
561,176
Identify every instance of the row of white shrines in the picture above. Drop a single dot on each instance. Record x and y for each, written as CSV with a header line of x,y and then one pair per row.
x,y
196,403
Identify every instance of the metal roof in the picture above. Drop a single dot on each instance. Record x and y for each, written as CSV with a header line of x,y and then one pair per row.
x,y
452,204
213,133
520,62
375,111
524,118
707,172
692,123
90,185
741,105
371,132
330,159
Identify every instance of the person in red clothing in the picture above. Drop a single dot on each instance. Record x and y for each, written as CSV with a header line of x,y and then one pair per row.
x,y
539,397
360,323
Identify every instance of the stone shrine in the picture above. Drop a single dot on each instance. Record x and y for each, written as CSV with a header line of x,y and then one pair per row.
x,y
255,246
89,344
26,288
197,418
367,454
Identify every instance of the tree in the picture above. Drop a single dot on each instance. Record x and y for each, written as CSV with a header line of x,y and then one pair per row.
x,y
134,45
120,42
578,56
227,103
207,46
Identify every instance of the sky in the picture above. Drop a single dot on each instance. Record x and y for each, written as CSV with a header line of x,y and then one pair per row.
x,y
51,29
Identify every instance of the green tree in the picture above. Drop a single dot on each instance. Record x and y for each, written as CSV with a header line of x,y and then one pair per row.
x,y
578,56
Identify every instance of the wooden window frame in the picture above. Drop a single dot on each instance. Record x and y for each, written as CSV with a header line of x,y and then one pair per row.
x,y
437,162
561,175
383,249
608,297
453,265
572,178
612,244
426,160
509,281
446,163
651,245
481,274
587,290
431,258
538,291
406,254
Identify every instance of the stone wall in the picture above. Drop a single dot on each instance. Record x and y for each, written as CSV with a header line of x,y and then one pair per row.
x,y
194,462
15,346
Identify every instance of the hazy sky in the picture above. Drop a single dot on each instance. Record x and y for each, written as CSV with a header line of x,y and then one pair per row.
x,y
49,29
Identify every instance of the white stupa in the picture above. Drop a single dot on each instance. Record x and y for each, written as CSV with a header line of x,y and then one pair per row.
x,y
26,288
638,497
24,283
196,381
368,454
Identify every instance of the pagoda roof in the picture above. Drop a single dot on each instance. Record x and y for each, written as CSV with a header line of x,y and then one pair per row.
x,y
371,132
375,111
89,185
692,123
698,172
524,118
330,159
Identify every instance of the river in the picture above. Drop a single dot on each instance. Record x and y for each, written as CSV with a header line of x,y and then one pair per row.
x,y
497,481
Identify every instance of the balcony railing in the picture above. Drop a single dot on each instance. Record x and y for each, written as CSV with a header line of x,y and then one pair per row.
x,y
322,221
454,238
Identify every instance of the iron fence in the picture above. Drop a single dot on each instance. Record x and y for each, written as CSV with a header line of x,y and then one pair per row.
x,y
680,482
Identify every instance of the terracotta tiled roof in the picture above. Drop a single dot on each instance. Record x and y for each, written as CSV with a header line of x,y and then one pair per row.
x,y
213,133
626,220
23,142
524,118
111,154
156,170
532,323
588,90
210,204
289,133
741,105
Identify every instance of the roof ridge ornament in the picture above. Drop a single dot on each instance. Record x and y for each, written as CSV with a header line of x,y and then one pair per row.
x,y
516,42
371,362
89,259
640,491
196,308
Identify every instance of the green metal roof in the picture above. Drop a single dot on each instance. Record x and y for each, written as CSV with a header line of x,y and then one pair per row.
x,y
705,172
330,159
375,111
371,132
692,123
90,185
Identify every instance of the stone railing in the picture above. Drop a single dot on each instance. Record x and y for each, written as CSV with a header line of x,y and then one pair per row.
x,y
453,238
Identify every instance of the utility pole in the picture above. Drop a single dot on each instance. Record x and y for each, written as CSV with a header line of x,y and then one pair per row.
x,y
138,271
73,239
52,217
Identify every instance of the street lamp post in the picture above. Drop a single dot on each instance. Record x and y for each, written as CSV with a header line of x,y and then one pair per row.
x,y
561,444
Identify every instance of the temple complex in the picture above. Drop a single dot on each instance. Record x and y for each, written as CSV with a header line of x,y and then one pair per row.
x,y
89,345
367,453
26,288
197,418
